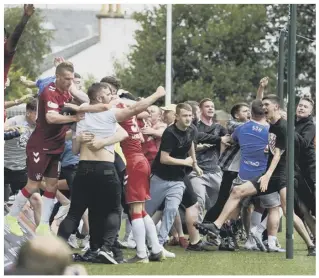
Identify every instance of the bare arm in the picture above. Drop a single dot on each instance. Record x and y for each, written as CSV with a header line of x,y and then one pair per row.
x,y
56,118
153,132
168,160
28,83
262,85
274,163
79,96
15,36
192,153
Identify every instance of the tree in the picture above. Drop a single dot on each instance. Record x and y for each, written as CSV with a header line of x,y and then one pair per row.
x,y
33,45
305,49
219,51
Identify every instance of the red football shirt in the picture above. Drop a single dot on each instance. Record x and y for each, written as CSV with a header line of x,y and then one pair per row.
x,y
149,146
50,137
133,143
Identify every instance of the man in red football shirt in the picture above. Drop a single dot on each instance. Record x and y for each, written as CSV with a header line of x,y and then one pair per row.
x,y
45,147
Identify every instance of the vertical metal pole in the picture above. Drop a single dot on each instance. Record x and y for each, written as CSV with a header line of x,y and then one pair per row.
x,y
291,126
168,78
281,67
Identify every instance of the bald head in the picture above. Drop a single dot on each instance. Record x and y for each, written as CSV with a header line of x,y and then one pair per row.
x,y
44,255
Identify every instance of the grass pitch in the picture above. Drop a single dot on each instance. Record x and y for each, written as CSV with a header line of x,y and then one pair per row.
x,y
218,263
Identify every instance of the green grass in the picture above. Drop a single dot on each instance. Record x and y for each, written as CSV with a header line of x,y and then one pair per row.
x,y
218,263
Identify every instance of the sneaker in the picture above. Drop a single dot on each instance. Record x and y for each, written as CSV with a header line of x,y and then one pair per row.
x,y
159,257
62,213
277,243
195,247
275,249
106,256
84,241
216,241
138,260
86,247
226,245
90,256
168,254
43,229
258,239
312,251
183,242
73,242
232,243
13,225
207,228
118,254
173,242
250,244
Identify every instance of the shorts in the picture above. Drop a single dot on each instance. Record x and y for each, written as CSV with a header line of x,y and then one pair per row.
x,y
138,182
40,164
189,196
270,200
275,185
17,179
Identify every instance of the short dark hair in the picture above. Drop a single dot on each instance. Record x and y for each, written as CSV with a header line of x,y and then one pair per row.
x,y
112,80
193,104
235,109
257,108
76,75
32,105
309,100
201,103
184,106
68,66
273,98
95,88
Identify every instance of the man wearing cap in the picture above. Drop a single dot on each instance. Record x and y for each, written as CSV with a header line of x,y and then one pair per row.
x,y
169,113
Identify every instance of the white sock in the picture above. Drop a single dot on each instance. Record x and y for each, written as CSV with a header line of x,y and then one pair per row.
x,y
48,205
151,234
255,219
18,204
272,240
139,234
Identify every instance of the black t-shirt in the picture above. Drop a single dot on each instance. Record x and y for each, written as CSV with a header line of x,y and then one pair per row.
x,y
277,139
177,143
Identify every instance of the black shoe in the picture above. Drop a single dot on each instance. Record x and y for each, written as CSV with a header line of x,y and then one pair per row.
x,y
106,256
76,257
312,251
195,247
159,257
118,254
207,228
90,256
226,245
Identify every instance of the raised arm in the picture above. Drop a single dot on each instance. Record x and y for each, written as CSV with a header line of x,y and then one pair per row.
x,y
12,42
262,85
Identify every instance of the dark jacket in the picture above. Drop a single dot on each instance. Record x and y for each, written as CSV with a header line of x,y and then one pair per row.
x,y
305,131
208,159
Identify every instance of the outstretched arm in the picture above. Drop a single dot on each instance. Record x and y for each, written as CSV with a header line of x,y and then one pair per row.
x,y
15,36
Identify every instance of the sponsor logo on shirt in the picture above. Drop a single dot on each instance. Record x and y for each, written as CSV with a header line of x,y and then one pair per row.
x,y
255,164
53,105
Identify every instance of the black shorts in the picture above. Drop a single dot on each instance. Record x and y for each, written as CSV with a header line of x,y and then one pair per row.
x,y
16,179
275,185
189,196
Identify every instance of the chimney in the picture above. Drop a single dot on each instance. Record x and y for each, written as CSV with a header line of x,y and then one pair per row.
x,y
108,12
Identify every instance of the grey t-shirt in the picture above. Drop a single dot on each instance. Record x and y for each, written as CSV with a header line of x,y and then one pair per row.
x,y
14,149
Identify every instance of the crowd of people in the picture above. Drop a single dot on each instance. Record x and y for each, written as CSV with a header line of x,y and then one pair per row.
x,y
97,154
